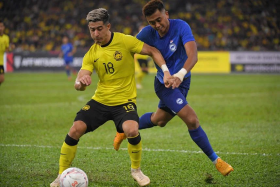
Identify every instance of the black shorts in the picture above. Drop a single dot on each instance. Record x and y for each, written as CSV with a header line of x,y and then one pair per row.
x,y
2,69
95,114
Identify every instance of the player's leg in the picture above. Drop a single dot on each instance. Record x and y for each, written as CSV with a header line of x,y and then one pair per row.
x,y
188,115
73,70
159,118
69,148
2,78
127,121
68,70
83,123
134,148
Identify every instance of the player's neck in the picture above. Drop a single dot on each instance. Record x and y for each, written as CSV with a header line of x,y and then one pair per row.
x,y
108,39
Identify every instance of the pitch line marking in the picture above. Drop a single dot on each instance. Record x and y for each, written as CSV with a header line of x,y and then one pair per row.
x,y
146,149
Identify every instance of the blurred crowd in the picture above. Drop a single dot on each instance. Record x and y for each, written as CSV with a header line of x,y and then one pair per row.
x,y
234,25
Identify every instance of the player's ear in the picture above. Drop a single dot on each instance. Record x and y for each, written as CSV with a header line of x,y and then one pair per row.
x,y
167,14
109,26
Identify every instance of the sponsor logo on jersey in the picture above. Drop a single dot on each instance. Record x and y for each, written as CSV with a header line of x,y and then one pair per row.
x,y
86,107
96,60
118,56
172,46
179,101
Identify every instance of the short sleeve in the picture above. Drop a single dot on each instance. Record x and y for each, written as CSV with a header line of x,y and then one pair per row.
x,y
133,44
88,62
186,33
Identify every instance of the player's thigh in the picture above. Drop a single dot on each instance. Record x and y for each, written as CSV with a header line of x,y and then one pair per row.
x,y
2,78
126,118
2,74
93,115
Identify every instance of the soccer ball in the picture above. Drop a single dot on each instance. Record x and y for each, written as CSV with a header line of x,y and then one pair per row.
x,y
73,177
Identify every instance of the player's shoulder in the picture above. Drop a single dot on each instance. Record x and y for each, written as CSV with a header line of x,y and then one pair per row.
x,y
147,31
5,36
121,37
178,22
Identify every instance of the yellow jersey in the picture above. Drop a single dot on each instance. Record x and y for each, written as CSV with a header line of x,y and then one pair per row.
x,y
4,44
114,64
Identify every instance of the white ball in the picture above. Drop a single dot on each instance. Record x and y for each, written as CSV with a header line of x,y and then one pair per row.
x,y
73,177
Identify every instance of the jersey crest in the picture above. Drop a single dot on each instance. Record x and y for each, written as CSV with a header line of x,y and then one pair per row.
x,y
118,56
172,46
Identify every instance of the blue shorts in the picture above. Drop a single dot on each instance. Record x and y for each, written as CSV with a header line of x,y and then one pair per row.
x,y
172,100
68,62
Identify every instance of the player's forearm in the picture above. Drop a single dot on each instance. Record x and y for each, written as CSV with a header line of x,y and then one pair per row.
x,y
10,48
190,62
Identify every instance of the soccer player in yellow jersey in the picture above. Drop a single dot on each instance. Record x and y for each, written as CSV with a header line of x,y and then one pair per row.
x,y
4,47
112,57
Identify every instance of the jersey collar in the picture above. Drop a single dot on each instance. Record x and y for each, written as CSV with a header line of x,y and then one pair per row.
x,y
105,45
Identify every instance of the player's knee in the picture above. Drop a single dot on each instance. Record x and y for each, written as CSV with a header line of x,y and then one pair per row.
x,y
77,130
193,122
132,132
161,123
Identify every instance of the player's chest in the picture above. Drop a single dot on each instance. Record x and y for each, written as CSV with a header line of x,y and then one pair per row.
x,y
110,59
168,45
3,43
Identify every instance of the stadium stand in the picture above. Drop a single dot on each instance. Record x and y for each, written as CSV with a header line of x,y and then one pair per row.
x,y
220,25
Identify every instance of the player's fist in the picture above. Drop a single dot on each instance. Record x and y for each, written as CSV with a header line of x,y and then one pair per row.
x,y
85,80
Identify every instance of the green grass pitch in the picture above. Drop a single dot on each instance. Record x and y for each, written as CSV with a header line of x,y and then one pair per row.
x,y
239,113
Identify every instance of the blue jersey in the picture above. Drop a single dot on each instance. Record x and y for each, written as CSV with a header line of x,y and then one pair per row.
x,y
171,45
66,49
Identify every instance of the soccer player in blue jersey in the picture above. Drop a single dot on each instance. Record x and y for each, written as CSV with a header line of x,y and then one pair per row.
x,y
67,51
174,39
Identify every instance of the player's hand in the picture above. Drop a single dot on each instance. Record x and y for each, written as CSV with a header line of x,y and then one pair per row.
x,y
82,82
167,79
176,82
85,80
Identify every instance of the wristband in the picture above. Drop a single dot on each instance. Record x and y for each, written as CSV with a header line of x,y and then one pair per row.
x,y
164,68
181,74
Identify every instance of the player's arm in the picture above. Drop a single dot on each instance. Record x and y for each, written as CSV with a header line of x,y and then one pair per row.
x,y
159,60
83,80
73,51
191,50
9,46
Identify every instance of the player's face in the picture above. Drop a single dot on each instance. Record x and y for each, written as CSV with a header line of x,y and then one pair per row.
x,y
65,40
99,32
159,21
2,28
